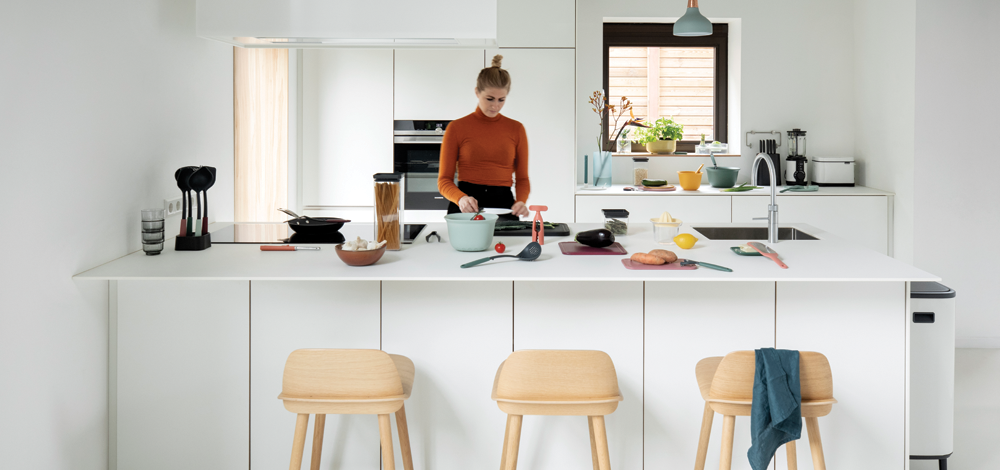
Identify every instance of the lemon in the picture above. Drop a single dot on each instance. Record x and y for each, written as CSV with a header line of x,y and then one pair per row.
x,y
685,240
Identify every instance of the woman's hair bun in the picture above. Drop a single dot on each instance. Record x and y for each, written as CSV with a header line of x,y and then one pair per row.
x,y
496,60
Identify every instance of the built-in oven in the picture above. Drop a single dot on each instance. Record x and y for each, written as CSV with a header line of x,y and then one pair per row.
x,y
416,152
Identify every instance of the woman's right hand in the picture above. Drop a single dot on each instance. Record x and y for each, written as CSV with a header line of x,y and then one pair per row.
x,y
468,204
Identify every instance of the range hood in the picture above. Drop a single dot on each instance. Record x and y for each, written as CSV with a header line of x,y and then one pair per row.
x,y
340,23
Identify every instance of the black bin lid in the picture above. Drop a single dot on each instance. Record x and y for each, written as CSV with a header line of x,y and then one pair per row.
x,y
388,177
615,213
930,290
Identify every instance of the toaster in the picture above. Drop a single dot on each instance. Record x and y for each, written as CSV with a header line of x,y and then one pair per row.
x,y
832,171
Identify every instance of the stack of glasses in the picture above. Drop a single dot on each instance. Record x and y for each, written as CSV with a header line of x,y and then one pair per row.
x,y
152,231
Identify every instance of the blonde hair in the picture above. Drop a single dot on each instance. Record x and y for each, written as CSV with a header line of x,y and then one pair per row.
x,y
493,76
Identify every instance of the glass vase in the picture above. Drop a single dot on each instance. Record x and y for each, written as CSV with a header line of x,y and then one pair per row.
x,y
602,169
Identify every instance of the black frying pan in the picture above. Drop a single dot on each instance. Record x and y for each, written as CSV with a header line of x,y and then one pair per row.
x,y
317,225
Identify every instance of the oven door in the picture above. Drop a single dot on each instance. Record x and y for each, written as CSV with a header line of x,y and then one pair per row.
x,y
417,158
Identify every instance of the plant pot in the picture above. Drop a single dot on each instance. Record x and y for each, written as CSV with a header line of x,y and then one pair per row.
x,y
662,146
723,176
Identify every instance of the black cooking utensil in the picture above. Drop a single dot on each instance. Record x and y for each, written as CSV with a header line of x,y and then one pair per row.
x,y
529,253
313,225
211,182
199,182
183,176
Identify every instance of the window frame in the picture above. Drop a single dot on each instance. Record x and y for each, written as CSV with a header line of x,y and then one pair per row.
x,y
662,35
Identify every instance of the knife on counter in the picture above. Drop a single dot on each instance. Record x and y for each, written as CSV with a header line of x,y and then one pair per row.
x,y
689,262
286,248
767,251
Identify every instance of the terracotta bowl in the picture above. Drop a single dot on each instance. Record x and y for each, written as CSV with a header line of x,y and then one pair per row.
x,y
360,258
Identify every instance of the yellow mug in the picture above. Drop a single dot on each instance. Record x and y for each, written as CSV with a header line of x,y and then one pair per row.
x,y
690,180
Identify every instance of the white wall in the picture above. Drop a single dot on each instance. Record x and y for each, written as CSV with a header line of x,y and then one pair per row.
x,y
815,95
99,103
885,50
956,218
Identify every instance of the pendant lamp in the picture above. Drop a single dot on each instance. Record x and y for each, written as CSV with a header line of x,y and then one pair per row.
x,y
693,23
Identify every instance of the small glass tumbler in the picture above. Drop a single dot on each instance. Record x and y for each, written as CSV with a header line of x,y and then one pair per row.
x,y
152,248
152,230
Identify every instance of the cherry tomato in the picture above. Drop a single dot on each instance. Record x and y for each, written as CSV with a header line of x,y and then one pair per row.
x,y
500,247
479,217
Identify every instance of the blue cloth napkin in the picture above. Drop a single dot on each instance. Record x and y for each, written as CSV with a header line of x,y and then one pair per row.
x,y
776,411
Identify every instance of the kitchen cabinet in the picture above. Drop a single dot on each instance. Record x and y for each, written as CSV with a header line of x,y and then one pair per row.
x,y
289,315
456,334
690,209
583,315
347,110
181,374
531,23
542,98
860,219
736,316
435,84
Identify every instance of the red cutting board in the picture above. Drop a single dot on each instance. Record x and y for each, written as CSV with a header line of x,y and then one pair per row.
x,y
577,248
675,266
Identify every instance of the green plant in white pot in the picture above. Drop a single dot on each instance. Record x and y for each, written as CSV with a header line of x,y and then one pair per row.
x,y
661,137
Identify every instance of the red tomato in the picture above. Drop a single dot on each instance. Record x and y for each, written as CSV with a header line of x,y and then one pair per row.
x,y
479,217
500,247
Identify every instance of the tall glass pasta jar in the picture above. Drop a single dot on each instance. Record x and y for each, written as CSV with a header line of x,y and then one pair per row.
x,y
389,209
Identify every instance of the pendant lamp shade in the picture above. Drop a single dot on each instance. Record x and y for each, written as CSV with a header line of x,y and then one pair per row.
x,y
693,23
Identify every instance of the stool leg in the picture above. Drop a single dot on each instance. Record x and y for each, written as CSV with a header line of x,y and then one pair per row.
x,y
299,443
404,438
728,428
793,463
513,440
815,443
317,451
506,437
706,432
601,442
385,433
593,444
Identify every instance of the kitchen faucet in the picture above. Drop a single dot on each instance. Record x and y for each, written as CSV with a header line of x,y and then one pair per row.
x,y
772,208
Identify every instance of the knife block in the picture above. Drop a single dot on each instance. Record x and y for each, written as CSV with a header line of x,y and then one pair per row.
x,y
763,178
193,243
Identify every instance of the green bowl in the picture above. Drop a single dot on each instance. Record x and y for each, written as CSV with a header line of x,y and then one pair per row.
x,y
466,234
722,176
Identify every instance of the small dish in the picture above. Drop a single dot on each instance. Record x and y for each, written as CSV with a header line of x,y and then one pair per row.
x,y
740,252
360,258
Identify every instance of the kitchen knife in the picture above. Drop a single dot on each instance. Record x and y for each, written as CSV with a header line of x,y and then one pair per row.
x,y
767,251
689,262
287,248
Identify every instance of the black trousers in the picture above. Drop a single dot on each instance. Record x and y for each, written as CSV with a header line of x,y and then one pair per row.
x,y
500,197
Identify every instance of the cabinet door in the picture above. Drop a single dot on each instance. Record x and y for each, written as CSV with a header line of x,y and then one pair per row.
x,y
861,219
436,84
542,98
530,23
182,375
346,124
686,322
290,315
584,315
690,209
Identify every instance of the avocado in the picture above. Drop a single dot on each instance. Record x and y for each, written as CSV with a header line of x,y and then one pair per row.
x,y
597,238
654,182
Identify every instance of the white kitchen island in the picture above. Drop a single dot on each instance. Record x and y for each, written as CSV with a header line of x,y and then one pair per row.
x,y
199,340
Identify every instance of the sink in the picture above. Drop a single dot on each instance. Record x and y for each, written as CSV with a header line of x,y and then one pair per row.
x,y
751,233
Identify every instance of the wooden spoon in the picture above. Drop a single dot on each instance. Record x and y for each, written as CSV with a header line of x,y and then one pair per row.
x,y
699,168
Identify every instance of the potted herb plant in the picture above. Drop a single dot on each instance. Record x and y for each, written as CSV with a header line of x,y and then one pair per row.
x,y
661,137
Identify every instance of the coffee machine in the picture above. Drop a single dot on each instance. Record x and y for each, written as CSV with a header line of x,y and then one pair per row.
x,y
795,168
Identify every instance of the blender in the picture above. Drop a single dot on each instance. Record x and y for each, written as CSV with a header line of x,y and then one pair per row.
x,y
795,169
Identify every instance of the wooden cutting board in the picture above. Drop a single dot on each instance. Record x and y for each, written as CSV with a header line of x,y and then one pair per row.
x,y
577,248
675,266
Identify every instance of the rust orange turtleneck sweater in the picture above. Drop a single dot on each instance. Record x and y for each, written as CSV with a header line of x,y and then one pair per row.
x,y
484,150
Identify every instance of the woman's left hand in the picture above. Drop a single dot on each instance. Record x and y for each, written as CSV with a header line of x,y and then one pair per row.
x,y
519,209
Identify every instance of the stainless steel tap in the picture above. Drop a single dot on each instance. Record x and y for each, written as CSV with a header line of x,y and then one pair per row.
x,y
772,208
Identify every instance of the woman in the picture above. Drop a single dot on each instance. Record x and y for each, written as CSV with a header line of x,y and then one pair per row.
x,y
486,148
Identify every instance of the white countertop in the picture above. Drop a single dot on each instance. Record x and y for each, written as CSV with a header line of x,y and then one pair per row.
x,y
827,259
706,190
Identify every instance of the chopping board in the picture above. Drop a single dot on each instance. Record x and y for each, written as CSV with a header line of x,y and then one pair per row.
x,y
668,187
577,248
675,266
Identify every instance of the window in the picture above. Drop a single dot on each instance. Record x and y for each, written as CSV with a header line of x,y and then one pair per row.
x,y
683,78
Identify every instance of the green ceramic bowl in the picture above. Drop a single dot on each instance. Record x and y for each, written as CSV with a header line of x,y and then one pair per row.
x,y
723,176
466,234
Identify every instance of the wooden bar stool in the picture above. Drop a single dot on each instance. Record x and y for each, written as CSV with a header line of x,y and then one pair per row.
x,y
557,383
347,381
726,385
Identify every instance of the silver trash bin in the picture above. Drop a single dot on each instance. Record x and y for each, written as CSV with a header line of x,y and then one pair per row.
x,y
932,372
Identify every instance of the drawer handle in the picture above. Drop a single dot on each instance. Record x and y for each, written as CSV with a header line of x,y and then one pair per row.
x,y
435,197
923,317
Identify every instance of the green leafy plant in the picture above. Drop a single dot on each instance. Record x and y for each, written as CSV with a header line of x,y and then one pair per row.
x,y
662,129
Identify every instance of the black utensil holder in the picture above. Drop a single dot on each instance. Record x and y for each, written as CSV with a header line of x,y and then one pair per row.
x,y
193,243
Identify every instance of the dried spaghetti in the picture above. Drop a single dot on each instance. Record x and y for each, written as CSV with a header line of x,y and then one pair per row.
x,y
387,214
